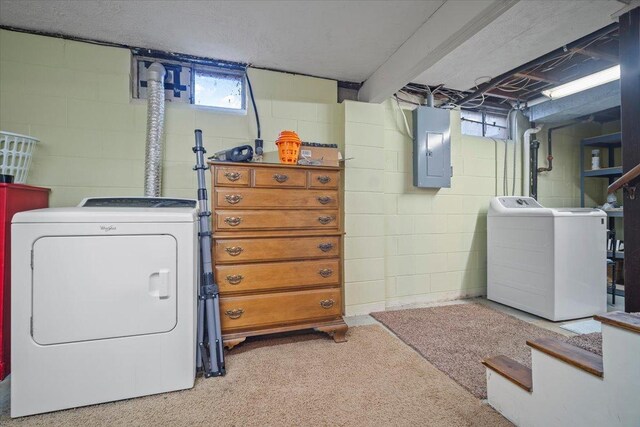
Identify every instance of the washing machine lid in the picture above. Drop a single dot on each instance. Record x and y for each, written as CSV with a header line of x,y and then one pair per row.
x,y
517,206
106,214
137,202
521,206
103,287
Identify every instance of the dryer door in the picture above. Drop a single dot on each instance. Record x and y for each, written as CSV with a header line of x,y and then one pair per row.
x,y
98,287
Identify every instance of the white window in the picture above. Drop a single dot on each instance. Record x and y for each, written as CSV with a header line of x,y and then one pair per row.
x,y
214,88
203,85
478,123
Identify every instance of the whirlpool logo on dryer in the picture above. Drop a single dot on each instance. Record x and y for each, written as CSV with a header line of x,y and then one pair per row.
x,y
107,228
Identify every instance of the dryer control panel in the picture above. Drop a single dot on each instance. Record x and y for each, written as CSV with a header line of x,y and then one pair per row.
x,y
519,202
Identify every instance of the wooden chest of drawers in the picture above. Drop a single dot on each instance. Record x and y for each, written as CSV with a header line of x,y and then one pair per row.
x,y
277,249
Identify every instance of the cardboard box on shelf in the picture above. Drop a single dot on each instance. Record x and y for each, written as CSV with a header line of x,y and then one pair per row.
x,y
324,155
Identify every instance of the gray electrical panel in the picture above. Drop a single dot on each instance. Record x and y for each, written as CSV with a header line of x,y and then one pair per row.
x,y
431,147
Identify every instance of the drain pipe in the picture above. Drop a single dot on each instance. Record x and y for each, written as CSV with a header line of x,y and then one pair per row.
x,y
550,145
155,127
526,159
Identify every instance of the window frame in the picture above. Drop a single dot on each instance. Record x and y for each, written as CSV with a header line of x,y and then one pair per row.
x,y
194,68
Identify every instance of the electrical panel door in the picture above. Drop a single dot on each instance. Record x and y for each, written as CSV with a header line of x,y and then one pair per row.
x,y
431,147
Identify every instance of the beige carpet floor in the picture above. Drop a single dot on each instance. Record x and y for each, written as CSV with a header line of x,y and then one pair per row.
x,y
455,338
371,380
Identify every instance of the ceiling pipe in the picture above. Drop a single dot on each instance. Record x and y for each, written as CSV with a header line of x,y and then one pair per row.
x,y
496,81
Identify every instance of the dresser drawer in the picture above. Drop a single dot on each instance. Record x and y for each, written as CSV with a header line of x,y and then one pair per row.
x,y
276,220
232,176
269,198
324,179
274,249
252,311
280,178
277,275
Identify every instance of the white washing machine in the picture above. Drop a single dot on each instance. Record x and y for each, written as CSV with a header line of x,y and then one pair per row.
x,y
548,262
103,302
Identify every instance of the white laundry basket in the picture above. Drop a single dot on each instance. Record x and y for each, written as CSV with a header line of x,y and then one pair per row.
x,y
15,155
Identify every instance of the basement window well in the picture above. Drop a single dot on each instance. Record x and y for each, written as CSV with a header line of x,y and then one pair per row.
x,y
202,85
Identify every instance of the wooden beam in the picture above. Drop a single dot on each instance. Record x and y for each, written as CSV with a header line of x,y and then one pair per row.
x,y
629,113
451,25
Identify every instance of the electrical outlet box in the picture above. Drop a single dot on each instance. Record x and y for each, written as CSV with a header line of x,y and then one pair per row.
x,y
431,147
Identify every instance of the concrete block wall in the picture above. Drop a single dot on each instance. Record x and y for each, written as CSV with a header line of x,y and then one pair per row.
x,y
432,241
403,245
76,98
364,208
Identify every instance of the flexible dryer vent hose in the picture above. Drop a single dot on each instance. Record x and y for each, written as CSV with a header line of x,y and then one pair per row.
x,y
155,128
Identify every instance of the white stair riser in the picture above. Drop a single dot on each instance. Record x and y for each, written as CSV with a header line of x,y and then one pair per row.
x,y
564,395
622,359
507,398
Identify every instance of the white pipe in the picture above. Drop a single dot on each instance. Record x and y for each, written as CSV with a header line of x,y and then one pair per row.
x,y
515,131
526,159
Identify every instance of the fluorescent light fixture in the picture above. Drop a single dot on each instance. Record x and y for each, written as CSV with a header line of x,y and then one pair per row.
x,y
584,83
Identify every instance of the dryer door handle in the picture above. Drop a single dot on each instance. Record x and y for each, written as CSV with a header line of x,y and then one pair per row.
x,y
165,282
160,284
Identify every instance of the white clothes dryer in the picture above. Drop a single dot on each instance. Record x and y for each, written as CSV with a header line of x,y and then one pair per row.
x,y
103,302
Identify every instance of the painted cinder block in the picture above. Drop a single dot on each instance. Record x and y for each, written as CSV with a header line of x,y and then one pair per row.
x,y
367,180
294,110
364,292
363,112
365,157
364,134
413,285
364,247
363,203
362,270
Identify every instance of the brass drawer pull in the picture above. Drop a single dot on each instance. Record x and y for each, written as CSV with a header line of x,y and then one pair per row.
x,y
325,247
324,220
235,313
327,303
233,176
233,199
324,199
234,279
324,179
233,220
325,272
280,177
234,250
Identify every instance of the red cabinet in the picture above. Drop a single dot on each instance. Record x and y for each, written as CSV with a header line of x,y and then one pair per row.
x,y
13,198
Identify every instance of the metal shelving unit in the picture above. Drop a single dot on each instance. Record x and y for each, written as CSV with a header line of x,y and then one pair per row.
x,y
611,172
610,142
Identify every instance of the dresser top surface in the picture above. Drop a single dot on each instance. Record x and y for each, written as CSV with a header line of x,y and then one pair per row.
x,y
273,165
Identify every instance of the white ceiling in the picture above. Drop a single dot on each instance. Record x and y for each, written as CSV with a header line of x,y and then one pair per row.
x,y
526,31
343,40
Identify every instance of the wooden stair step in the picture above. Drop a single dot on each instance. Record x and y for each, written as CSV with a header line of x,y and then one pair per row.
x,y
515,372
576,356
620,319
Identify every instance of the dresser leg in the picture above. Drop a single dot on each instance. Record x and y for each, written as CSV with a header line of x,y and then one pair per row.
x,y
337,332
230,343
